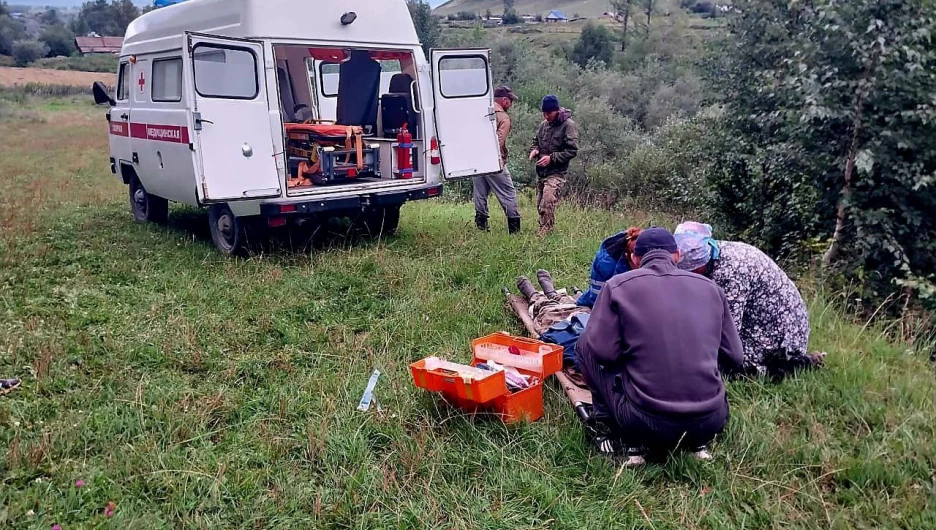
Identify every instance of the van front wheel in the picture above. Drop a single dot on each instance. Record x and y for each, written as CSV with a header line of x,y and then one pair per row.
x,y
227,231
146,207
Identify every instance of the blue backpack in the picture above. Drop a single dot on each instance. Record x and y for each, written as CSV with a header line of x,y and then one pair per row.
x,y
608,263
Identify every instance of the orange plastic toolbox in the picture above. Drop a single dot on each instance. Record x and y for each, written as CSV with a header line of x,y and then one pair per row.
x,y
455,387
528,356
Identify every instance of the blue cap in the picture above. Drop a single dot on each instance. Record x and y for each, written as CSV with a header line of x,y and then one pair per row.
x,y
655,238
550,103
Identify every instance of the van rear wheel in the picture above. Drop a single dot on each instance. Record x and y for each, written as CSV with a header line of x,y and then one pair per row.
x,y
146,207
227,231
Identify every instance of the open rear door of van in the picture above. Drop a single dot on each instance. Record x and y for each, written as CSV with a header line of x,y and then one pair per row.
x,y
464,113
233,139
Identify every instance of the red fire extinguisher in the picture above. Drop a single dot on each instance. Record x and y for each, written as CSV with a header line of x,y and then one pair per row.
x,y
404,153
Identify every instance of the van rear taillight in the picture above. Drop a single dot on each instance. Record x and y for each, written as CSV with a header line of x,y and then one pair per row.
x,y
434,155
288,208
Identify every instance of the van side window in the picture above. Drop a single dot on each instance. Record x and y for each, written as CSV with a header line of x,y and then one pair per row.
x,y
225,72
329,78
167,79
463,77
123,79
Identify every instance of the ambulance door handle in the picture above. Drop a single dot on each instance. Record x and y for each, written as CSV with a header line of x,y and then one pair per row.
x,y
196,117
125,116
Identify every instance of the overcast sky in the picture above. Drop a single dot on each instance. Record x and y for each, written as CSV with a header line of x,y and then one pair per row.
x,y
74,3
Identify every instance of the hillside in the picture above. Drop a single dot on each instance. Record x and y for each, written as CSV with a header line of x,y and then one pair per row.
x,y
587,8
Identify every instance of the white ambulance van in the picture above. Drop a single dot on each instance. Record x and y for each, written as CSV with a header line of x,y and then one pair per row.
x,y
275,111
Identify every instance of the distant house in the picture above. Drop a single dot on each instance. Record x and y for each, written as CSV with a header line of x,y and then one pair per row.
x,y
99,45
556,17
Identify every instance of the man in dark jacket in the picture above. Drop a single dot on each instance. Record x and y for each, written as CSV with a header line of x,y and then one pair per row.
x,y
652,354
554,146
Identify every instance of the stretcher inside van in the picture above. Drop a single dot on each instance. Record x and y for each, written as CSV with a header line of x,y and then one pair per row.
x,y
276,111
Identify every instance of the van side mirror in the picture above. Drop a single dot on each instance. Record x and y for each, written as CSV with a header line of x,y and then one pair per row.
x,y
100,94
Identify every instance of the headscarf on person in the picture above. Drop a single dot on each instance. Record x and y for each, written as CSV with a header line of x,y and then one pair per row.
x,y
696,245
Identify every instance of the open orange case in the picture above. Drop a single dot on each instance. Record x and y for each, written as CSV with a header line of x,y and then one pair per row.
x,y
530,357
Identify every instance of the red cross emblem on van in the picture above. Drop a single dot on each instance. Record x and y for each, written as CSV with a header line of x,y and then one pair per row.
x,y
141,82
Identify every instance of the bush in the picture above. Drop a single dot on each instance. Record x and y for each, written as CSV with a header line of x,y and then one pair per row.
x,y
6,60
27,51
594,44
59,39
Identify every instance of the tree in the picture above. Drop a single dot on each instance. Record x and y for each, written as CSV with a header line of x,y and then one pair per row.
x,y
105,19
28,51
10,31
510,14
594,44
622,9
4,9
125,12
427,28
79,26
59,40
830,108
51,17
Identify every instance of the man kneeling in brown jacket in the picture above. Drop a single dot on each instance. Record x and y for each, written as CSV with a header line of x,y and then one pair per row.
x,y
652,355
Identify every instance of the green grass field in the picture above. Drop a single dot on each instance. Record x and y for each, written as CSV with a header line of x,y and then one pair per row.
x,y
195,391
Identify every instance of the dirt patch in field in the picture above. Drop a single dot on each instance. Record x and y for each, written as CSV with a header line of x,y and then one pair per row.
x,y
21,76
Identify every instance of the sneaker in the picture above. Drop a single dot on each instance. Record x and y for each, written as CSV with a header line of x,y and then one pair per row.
x,y
702,454
8,385
636,457
603,436
607,445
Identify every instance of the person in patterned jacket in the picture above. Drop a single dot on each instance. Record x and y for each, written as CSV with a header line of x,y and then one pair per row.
x,y
767,308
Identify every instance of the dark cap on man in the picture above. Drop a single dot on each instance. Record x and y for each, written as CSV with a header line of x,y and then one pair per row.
x,y
655,238
550,103
504,91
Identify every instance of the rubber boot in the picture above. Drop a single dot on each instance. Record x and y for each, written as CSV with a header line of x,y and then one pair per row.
x,y
481,221
545,280
513,225
526,288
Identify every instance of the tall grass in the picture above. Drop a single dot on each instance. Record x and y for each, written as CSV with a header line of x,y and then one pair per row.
x,y
44,90
195,391
86,63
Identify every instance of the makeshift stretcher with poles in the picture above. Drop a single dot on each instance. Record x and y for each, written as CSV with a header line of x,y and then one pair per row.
x,y
578,396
